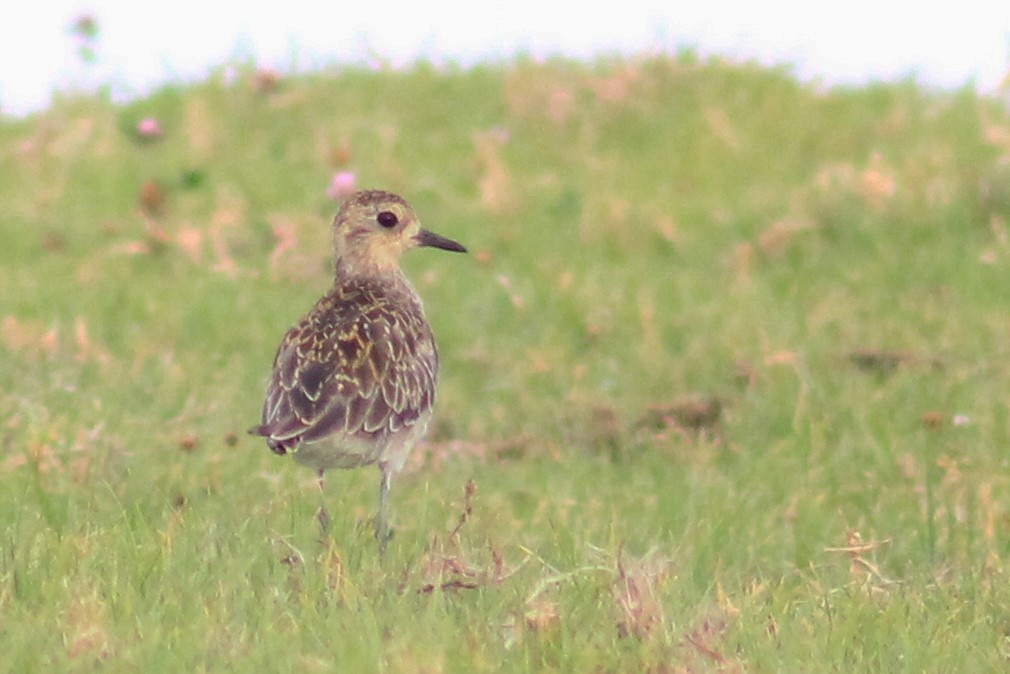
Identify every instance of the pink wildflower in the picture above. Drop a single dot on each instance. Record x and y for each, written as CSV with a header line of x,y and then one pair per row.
x,y
342,185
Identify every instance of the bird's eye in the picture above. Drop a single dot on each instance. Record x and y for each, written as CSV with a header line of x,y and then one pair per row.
x,y
387,219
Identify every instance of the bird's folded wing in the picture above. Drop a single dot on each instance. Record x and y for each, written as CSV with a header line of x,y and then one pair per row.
x,y
356,378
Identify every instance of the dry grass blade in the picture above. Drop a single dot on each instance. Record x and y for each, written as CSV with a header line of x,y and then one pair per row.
x,y
636,592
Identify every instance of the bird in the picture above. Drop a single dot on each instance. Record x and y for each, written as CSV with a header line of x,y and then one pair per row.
x,y
353,382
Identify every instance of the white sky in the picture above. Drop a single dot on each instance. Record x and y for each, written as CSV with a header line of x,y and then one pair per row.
x,y
142,44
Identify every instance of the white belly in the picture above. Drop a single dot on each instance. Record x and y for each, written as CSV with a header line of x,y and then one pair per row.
x,y
340,451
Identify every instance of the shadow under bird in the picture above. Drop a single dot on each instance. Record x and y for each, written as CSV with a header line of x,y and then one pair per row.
x,y
354,380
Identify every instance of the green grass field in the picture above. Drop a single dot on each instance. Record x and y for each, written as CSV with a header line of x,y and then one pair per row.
x,y
728,368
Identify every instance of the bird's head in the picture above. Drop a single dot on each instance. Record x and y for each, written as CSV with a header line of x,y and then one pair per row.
x,y
373,228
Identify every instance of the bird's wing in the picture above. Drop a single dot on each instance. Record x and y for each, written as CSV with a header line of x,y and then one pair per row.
x,y
350,372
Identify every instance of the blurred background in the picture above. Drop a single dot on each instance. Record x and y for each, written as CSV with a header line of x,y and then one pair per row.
x,y
724,378
134,47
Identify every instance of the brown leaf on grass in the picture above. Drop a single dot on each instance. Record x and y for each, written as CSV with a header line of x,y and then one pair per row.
x,y
696,414
705,636
447,565
932,419
875,360
156,240
28,337
781,358
87,350
541,615
53,242
593,332
862,569
878,183
469,492
886,361
953,476
538,616
636,594
781,235
189,442
605,427
875,185
85,628
190,241
340,155
152,197
449,572
132,248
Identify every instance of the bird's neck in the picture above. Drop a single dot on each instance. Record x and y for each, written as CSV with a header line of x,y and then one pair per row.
x,y
351,268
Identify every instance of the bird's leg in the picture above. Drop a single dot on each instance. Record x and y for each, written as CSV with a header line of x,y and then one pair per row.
x,y
321,514
382,531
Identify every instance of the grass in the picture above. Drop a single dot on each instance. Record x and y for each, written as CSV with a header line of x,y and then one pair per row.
x,y
724,379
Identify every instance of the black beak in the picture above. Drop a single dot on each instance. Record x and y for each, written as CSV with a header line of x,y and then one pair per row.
x,y
426,238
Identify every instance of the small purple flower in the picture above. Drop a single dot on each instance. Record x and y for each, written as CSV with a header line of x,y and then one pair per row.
x,y
342,185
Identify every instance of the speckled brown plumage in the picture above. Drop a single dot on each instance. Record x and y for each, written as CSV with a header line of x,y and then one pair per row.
x,y
353,383
362,365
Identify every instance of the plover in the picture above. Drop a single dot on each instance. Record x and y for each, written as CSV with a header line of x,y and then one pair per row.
x,y
353,381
